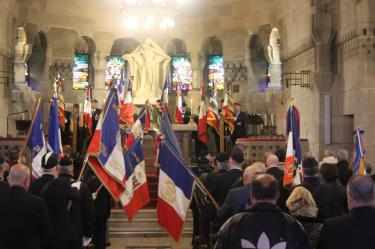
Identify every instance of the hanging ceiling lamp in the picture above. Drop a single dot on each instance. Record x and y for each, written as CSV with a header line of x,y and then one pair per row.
x,y
147,14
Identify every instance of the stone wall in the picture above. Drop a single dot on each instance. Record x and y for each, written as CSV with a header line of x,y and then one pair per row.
x,y
333,40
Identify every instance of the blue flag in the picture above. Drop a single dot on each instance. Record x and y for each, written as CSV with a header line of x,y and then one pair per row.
x,y
358,163
54,135
36,142
110,127
169,135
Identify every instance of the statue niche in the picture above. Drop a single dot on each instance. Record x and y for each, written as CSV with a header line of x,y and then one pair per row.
x,y
148,65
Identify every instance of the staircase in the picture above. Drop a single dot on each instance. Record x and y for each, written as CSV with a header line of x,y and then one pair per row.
x,y
144,224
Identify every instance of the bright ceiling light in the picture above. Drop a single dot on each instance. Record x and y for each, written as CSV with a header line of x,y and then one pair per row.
x,y
167,22
130,22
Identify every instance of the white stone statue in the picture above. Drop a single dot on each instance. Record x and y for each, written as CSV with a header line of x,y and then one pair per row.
x,y
149,65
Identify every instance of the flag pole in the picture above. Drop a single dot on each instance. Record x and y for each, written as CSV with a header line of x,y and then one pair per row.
x,y
29,131
84,165
205,191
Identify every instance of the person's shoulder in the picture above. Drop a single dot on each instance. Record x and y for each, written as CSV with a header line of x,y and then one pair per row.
x,y
240,190
339,220
34,200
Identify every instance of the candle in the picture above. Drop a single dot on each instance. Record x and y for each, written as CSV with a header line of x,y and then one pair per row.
x,y
265,119
272,119
191,106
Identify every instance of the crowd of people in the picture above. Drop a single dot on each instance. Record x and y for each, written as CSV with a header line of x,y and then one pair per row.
x,y
328,209
54,211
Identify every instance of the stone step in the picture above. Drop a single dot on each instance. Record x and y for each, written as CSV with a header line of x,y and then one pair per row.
x,y
142,233
140,223
142,214
144,224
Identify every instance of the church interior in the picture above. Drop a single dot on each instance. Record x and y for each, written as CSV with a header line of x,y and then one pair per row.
x,y
318,55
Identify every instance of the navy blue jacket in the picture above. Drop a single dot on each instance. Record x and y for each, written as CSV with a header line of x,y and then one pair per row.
x,y
238,199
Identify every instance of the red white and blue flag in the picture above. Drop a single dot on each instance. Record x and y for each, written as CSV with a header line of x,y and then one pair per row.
x,y
136,194
54,134
164,96
105,151
202,121
179,119
176,184
293,124
358,160
127,108
289,162
36,142
87,111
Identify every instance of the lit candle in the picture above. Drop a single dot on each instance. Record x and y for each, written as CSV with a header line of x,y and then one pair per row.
x,y
265,119
191,106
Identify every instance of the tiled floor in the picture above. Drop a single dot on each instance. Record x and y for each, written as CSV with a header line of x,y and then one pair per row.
x,y
150,243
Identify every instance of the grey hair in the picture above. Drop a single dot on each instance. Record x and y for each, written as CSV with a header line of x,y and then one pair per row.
x,y
342,154
361,189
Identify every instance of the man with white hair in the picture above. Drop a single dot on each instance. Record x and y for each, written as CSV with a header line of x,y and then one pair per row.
x,y
3,184
343,166
273,169
25,223
238,198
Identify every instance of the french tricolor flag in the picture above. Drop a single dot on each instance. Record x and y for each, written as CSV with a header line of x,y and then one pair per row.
x,y
127,108
136,194
289,162
54,134
36,142
164,95
176,184
178,116
105,151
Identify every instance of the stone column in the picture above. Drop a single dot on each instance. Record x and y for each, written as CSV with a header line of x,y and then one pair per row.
x,y
103,42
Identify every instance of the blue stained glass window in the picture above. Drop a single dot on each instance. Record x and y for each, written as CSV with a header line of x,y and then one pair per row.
x,y
181,73
80,71
215,72
115,64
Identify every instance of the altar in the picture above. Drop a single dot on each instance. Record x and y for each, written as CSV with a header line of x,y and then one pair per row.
x,y
256,147
184,139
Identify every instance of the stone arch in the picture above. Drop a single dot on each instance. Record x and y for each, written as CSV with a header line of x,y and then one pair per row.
x,y
123,46
175,46
256,63
37,60
212,46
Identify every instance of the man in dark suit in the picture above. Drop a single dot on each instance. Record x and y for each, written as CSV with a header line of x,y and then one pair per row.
x,y
219,165
238,199
272,163
323,194
343,166
239,123
185,114
229,179
355,229
102,201
95,114
221,186
49,164
25,223
65,203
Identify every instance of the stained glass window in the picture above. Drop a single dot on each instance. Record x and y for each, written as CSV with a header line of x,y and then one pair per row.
x,y
215,72
81,71
114,66
181,73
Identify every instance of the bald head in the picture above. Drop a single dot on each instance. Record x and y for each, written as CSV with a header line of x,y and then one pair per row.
x,y
249,173
361,192
19,175
272,161
264,188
